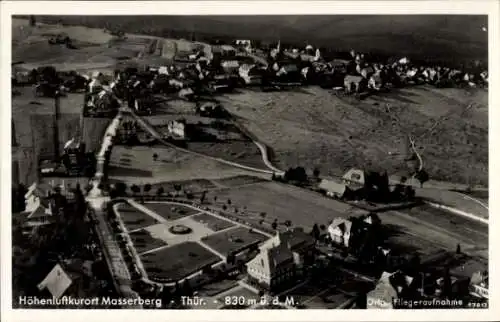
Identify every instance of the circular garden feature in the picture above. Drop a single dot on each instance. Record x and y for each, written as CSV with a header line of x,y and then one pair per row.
x,y
180,230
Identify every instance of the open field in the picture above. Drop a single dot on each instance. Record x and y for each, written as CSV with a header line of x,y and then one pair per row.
x,y
134,218
242,152
420,229
143,241
136,165
212,223
283,202
170,212
233,240
178,261
336,134
239,181
94,48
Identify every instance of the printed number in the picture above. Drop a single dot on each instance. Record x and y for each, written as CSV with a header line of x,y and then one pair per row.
x,y
234,300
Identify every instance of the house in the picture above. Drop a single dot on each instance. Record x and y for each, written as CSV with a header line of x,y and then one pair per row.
x,y
230,66
333,189
340,231
477,272
389,288
40,208
354,83
281,259
354,177
251,74
177,128
56,282
224,51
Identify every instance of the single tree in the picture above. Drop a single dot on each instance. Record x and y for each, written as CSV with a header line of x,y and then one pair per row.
x,y
288,223
32,21
147,188
316,173
135,189
121,189
155,156
229,201
224,207
160,191
263,214
422,177
315,232
215,198
203,197
177,187
274,225
459,250
187,290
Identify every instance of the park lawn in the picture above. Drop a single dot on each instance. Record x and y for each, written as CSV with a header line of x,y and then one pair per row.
x,y
169,211
178,261
233,240
134,218
143,241
212,222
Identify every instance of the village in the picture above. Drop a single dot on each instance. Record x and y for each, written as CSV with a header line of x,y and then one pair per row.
x,y
148,179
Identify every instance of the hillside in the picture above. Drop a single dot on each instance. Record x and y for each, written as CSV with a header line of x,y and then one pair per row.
x,y
452,38
314,128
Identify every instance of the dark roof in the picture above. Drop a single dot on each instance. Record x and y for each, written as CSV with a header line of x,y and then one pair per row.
x,y
297,238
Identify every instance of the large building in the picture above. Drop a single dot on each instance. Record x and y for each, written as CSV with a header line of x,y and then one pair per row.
x,y
282,259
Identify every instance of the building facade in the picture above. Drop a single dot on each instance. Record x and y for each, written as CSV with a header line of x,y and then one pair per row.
x,y
282,260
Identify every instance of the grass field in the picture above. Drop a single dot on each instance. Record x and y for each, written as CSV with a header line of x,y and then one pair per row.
x,y
282,202
143,241
239,181
170,212
212,222
178,261
242,152
133,218
136,165
335,134
233,240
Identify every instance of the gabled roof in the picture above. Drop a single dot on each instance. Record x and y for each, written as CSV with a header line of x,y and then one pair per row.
x,y
386,288
56,282
333,186
342,223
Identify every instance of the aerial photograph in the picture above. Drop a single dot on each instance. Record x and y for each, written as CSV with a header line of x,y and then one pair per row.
x,y
250,162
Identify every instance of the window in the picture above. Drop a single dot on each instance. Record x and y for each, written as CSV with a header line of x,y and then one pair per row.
x,y
356,176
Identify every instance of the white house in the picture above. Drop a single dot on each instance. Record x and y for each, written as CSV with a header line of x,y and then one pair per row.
x,y
177,128
340,231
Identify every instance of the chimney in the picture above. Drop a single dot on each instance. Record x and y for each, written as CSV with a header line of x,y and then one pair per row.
x,y
56,124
